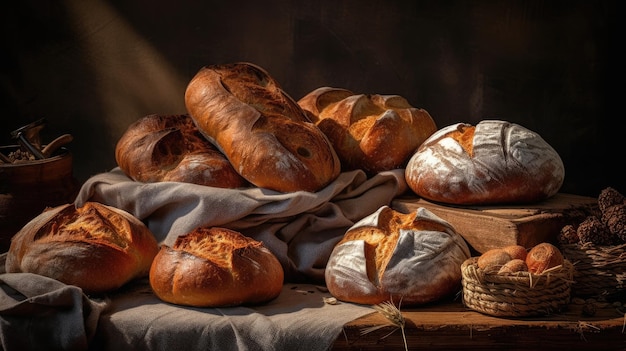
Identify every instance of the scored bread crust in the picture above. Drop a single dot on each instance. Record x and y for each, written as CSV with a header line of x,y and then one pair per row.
x,y
372,132
267,137
408,259
216,267
159,148
96,247
492,162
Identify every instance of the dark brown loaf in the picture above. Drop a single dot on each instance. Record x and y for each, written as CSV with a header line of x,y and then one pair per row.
x,y
159,148
492,162
374,133
95,247
409,259
264,133
213,267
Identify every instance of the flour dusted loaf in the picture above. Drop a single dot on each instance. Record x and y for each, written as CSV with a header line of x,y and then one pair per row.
x,y
96,247
411,259
371,132
213,267
267,137
489,163
159,148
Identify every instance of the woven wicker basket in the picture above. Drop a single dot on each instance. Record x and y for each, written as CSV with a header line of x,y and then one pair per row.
x,y
600,270
521,295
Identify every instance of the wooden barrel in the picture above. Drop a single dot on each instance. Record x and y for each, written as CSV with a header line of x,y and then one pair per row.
x,y
28,187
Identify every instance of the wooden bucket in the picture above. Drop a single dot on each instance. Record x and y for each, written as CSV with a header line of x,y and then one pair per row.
x,y
28,187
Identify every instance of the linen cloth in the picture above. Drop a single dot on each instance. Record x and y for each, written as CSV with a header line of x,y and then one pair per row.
x,y
39,313
300,228
297,320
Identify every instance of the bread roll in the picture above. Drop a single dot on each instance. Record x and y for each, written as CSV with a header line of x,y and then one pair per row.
x,y
543,256
411,259
159,148
492,260
374,133
492,162
96,247
213,267
264,133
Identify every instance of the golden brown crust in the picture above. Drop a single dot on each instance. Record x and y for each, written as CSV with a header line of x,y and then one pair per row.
x,y
374,133
266,136
543,256
170,148
96,247
214,267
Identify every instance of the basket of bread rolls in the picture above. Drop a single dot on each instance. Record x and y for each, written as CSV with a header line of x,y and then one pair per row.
x,y
513,281
596,244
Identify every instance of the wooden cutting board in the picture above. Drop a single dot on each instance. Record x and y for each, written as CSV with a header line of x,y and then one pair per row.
x,y
487,227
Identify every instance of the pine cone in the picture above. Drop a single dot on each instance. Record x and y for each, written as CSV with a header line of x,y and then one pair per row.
x,y
593,230
568,235
614,218
609,197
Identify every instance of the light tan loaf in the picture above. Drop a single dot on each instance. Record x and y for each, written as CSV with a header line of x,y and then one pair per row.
x,y
408,259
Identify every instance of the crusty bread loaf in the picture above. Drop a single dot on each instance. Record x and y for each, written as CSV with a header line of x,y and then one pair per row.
x,y
96,247
374,133
411,259
170,148
264,133
492,162
216,267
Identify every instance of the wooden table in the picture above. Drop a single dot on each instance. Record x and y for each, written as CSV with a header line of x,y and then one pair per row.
x,y
451,326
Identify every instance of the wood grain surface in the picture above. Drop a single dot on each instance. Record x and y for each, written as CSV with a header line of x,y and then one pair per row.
x,y
486,227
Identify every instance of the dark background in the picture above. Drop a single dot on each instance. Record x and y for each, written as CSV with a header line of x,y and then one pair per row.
x,y
93,67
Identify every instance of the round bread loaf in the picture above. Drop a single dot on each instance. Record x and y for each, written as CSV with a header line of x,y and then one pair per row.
x,y
213,267
492,162
374,133
408,259
262,131
159,148
96,247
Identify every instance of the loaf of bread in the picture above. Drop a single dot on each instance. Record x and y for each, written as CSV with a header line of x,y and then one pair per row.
x,y
159,148
374,133
216,267
96,247
493,162
407,259
262,131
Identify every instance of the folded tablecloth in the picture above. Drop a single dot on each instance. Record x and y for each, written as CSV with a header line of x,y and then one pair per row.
x,y
297,320
300,228
39,313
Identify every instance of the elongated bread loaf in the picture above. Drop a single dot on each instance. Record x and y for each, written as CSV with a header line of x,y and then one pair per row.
x,y
408,259
492,162
96,247
371,132
159,148
267,137
213,267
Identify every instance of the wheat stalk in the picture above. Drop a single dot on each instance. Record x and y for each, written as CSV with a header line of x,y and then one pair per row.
x,y
394,315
